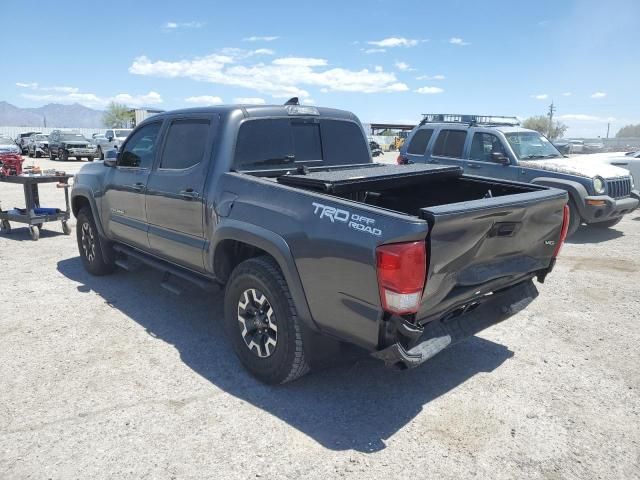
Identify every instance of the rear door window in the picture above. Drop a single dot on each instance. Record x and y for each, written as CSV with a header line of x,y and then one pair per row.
x,y
420,141
450,143
185,144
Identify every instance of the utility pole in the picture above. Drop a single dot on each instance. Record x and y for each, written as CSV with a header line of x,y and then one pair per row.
x,y
608,125
552,109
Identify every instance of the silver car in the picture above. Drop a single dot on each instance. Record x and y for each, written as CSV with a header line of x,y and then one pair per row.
x,y
38,145
113,138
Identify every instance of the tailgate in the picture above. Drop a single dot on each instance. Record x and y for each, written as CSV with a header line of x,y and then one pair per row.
x,y
481,246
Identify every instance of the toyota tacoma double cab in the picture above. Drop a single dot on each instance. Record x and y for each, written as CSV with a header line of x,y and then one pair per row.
x,y
317,245
497,147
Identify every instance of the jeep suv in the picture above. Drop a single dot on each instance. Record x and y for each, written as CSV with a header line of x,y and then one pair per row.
x,y
63,145
497,147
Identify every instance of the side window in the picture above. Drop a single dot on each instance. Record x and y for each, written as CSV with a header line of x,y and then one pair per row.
x,y
140,149
450,143
108,133
483,145
420,141
185,144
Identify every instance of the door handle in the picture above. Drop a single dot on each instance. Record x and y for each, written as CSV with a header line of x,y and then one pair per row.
x,y
620,164
471,165
189,194
138,187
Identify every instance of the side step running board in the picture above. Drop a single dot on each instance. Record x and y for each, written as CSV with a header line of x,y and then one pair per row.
x,y
169,269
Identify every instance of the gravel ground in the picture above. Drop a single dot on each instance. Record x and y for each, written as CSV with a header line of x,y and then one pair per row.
x,y
113,377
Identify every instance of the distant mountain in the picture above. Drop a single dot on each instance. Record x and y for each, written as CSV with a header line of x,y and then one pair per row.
x,y
55,115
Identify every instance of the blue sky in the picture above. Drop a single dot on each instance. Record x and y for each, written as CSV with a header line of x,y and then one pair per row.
x,y
383,60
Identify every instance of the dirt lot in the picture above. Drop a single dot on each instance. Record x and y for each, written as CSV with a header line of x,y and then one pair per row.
x,y
114,377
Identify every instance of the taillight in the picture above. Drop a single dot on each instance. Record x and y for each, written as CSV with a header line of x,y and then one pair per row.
x,y
402,270
402,160
563,232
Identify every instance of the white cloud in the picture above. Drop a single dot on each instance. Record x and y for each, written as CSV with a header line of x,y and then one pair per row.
x,y
585,118
250,100
542,96
458,41
373,50
429,90
204,100
567,94
72,95
378,68
431,77
27,85
300,62
175,25
403,66
282,78
392,42
260,39
598,95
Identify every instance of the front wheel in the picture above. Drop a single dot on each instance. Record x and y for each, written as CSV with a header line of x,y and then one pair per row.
x,y
262,323
63,155
574,219
89,159
607,224
90,245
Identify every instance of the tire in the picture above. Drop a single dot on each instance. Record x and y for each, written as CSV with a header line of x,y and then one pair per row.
x,y
38,154
607,224
29,154
90,245
89,159
5,226
100,154
51,155
276,352
574,219
66,228
63,155
79,159
35,232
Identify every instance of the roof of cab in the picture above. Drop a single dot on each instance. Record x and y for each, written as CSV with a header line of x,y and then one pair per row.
x,y
259,111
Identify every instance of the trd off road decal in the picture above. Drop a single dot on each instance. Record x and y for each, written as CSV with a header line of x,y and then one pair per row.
x,y
353,220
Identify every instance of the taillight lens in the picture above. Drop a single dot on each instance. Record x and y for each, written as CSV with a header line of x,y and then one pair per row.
x,y
402,160
563,233
402,270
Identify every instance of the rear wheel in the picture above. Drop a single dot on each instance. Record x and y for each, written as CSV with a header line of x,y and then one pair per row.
x,y
574,219
262,323
90,245
607,224
90,159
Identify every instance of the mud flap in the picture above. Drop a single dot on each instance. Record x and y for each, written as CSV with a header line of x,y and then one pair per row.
x,y
440,334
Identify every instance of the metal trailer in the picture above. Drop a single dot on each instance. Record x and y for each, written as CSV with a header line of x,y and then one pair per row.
x,y
34,215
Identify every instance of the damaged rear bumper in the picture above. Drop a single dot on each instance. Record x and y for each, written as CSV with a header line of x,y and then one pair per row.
x,y
440,334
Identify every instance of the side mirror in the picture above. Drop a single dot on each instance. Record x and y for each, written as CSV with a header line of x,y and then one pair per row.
x,y
110,158
500,158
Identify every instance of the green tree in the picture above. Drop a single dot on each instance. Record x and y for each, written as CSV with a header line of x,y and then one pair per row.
x,y
117,115
629,131
540,123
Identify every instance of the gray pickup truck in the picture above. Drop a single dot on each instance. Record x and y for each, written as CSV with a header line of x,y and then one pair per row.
x,y
317,245
497,147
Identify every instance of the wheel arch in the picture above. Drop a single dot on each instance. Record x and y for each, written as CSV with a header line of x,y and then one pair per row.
x,y
577,192
237,241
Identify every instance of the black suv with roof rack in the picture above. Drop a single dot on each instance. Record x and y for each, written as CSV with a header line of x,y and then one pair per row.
x,y
497,147
65,144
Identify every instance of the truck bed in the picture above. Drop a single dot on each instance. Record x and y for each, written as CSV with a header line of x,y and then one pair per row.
x,y
483,235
